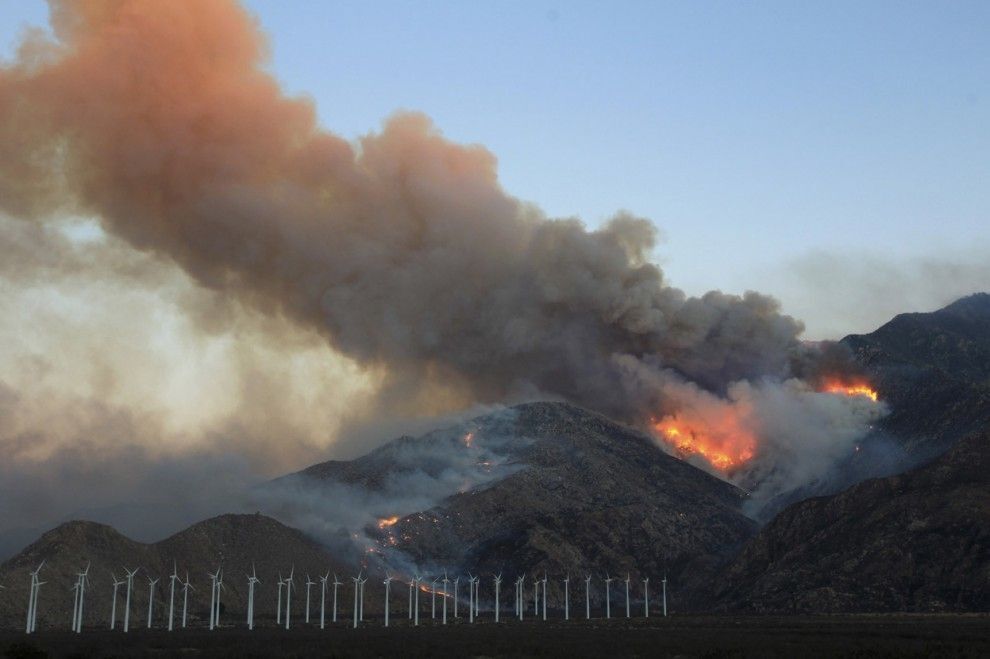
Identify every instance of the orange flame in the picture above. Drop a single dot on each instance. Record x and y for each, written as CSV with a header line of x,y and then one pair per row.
x,y
469,440
721,439
387,521
836,386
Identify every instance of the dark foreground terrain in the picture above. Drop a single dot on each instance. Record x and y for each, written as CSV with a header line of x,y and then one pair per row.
x,y
728,636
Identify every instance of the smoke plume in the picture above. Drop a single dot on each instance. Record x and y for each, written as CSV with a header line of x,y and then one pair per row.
x,y
401,250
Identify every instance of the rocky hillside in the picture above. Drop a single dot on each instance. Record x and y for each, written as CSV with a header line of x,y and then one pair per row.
x,y
919,541
933,370
577,493
233,541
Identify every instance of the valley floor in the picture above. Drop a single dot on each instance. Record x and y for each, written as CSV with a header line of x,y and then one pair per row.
x,y
677,636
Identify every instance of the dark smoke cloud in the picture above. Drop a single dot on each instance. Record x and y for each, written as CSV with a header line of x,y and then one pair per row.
x,y
402,251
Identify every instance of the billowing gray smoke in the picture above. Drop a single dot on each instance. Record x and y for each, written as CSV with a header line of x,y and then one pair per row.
x,y
402,250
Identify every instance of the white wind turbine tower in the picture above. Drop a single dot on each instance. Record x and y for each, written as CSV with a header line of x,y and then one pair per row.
x,y
214,593
608,596
646,597
536,597
456,579
357,587
520,596
113,609
445,581
336,584
470,597
151,598
498,583
32,612
418,579
412,581
252,580
433,600
323,599
281,585
627,594
587,597
127,603
477,594
567,598
309,584
186,587
171,596
75,603
288,596
388,587
83,578
220,586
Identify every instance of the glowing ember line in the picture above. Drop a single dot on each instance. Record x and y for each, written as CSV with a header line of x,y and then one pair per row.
x,y
850,389
387,521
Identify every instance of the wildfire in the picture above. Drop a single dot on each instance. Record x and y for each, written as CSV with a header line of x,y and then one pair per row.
x,y
469,440
385,522
850,389
721,440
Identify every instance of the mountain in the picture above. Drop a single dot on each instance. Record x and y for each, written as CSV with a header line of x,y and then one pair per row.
x,y
233,541
933,371
919,541
574,492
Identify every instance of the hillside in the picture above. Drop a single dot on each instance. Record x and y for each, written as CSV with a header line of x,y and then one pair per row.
x,y
919,541
233,541
577,493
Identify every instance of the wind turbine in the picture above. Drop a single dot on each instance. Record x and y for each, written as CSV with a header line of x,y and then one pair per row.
x,y
417,579
521,581
665,595
477,592
498,583
252,580
214,593
113,608
323,599
127,604
288,596
587,597
567,598
608,597
470,597
171,596
309,583
220,586
456,579
536,596
32,613
186,587
75,604
646,597
281,585
627,594
445,582
388,587
412,583
151,598
335,585
357,587
433,600
83,578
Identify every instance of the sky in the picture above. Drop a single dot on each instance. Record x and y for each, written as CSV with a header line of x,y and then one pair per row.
x,y
829,154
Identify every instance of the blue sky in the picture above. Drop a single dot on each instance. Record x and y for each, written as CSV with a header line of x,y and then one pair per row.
x,y
756,135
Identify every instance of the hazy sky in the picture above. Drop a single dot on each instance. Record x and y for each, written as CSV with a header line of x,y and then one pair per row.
x,y
833,154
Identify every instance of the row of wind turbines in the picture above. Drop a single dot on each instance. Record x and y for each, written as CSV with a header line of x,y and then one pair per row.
x,y
438,587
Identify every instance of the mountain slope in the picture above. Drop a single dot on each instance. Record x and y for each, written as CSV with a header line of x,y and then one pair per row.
x,y
577,493
933,370
233,541
919,541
